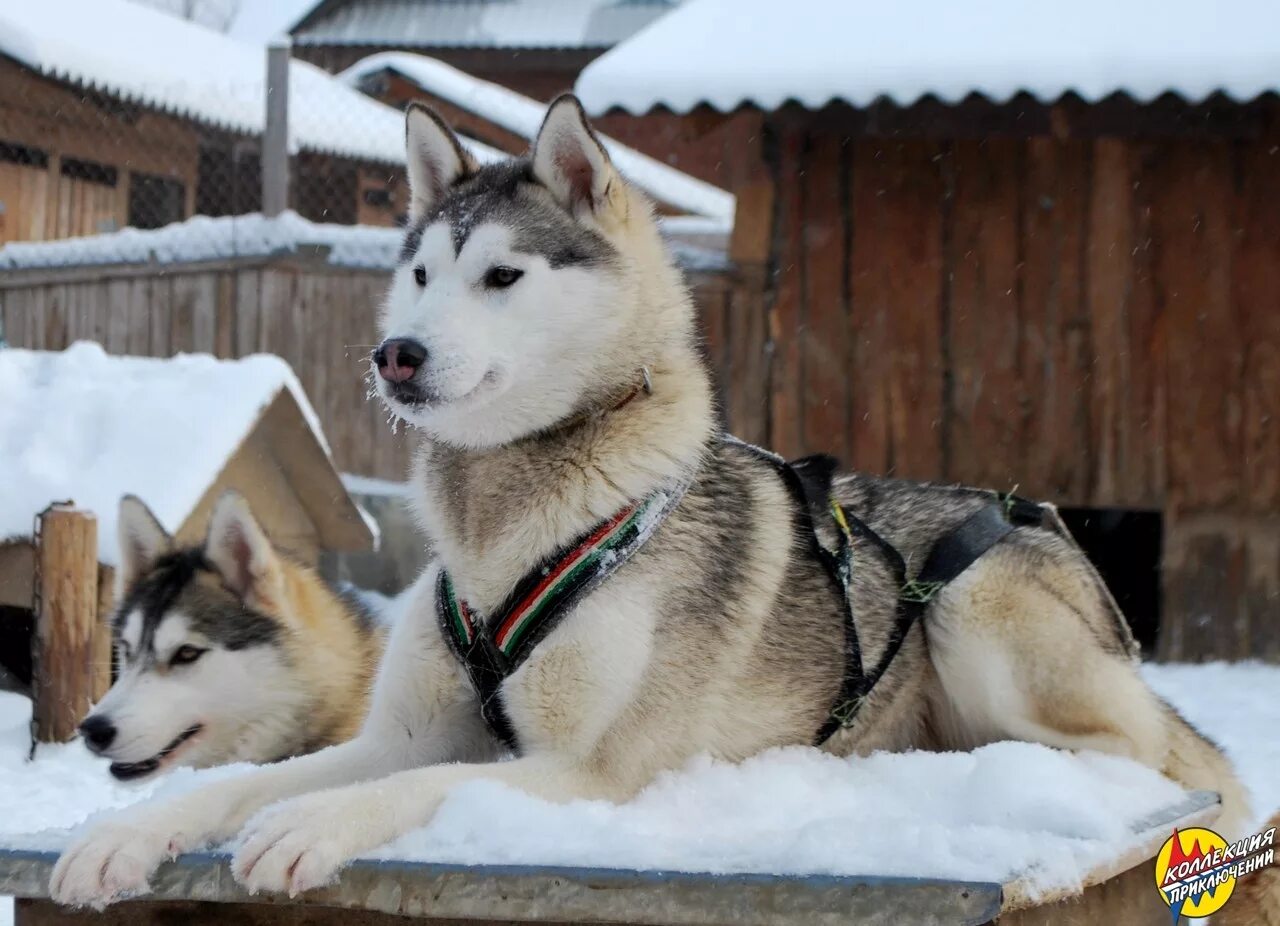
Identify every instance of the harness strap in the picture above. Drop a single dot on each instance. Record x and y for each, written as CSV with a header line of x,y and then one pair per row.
x,y
951,554
491,649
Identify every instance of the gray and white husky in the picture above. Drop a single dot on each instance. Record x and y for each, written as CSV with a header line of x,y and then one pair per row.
x,y
228,651
531,299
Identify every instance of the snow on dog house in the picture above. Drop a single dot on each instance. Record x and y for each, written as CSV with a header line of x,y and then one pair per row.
x,y
84,426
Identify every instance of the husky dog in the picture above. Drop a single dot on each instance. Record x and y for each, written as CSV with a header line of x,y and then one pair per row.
x,y
543,345
227,652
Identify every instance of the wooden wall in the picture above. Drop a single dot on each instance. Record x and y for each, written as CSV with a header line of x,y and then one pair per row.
x,y
321,319
1093,320
41,202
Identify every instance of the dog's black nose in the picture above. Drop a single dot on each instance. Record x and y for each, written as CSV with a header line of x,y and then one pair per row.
x,y
399,358
98,732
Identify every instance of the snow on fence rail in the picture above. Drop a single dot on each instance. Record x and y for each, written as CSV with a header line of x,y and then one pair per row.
x,y
306,291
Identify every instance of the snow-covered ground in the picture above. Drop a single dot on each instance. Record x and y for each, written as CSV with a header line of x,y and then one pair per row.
x,y
1007,809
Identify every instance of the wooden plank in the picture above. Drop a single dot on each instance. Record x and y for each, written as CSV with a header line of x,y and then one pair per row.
x,y
896,279
204,311
1056,350
248,285
67,564
224,331
1203,573
989,410
786,310
118,316
37,318
138,342
1191,209
16,308
184,292
1255,293
1143,471
824,330
1260,638
160,308
749,357
55,329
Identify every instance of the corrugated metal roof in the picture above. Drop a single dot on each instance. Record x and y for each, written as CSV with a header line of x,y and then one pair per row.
x,y
523,116
563,24
729,53
133,53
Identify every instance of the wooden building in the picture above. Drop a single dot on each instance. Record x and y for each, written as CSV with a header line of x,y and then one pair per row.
x,y
1008,268
119,115
508,121
536,47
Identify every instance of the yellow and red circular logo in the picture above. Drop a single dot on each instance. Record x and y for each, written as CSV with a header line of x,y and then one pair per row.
x,y
1194,873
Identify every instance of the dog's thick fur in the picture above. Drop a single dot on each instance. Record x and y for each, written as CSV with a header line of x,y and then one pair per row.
x,y
721,636
282,664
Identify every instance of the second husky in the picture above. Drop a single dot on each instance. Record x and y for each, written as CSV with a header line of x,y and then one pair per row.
x,y
227,651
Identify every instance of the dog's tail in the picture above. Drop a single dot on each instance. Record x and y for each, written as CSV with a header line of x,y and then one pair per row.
x,y
1256,898
1195,761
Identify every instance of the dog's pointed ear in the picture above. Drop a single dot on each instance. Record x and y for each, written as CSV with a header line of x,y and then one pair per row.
x,y
435,157
141,538
569,160
239,550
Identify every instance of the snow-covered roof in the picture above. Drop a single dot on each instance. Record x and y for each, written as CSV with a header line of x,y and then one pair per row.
x,y
82,425
729,53
695,245
145,56
556,24
523,115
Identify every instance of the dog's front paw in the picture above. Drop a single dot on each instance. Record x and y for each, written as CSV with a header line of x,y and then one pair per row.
x,y
303,843
112,860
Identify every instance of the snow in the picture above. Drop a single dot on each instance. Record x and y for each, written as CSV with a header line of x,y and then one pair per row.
x,y
146,56
523,115
370,485
203,238
1006,810
727,53
261,21
81,425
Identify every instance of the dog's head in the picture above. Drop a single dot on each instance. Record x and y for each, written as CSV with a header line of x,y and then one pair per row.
x,y
197,638
525,289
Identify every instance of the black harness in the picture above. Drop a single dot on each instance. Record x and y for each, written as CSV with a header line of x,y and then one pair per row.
x,y
491,649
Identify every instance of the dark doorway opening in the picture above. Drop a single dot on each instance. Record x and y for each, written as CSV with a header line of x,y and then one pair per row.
x,y
1125,545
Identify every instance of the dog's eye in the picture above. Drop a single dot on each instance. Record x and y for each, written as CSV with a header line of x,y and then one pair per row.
x,y
502,277
420,275
185,655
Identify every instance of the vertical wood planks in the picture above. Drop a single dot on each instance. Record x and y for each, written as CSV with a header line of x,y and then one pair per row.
x,y
1191,210
896,280
824,328
1056,348
989,407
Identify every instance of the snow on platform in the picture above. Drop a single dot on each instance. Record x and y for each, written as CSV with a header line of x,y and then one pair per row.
x,y
696,243
728,53
1010,810
82,425
523,116
141,55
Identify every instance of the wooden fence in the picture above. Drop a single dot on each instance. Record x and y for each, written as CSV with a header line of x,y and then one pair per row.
x,y
321,319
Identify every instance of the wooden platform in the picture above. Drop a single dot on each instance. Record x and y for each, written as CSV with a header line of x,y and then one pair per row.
x,y
198,889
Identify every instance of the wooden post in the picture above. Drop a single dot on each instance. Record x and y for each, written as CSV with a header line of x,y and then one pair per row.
x,y
275,137
67,675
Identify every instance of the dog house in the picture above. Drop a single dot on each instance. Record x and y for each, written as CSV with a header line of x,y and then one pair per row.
x,y
82,428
